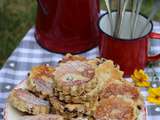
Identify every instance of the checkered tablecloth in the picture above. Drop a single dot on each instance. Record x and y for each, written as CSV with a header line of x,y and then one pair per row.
x,y
28,54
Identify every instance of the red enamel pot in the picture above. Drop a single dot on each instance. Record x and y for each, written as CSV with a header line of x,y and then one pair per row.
x,y
67,25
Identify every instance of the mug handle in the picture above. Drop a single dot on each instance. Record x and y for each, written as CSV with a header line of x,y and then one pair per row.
x,y
155,57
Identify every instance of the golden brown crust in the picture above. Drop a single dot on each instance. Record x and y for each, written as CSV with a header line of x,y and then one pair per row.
x,y
27,102
40,81
115,108
124,88
62,107
108,71
70,57
104,73
42,70
59,107
74,78
96,61
72,110
80,72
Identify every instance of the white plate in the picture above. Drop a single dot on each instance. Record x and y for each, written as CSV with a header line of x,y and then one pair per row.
x,y
11,113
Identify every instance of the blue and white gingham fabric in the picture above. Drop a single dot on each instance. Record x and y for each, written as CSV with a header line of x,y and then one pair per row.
x,y
29,54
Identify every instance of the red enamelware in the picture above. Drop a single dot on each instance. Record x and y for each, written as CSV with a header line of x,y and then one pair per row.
x,y
130,54
67,25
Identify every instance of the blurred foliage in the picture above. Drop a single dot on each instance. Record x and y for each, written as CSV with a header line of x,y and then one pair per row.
x,y
146,7
17,16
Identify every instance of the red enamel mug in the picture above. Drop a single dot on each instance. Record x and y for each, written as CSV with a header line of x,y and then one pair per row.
x,y
67,25
129,53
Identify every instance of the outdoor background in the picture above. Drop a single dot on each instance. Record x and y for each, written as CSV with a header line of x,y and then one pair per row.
x,y
18,16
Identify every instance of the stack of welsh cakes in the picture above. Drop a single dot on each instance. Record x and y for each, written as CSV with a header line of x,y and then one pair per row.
x,y
78,83
78,89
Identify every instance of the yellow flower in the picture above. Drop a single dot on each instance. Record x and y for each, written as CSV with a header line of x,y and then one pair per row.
x,y
154,95
140,78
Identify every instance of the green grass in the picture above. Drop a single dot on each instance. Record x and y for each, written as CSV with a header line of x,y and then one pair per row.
x,y
17,16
